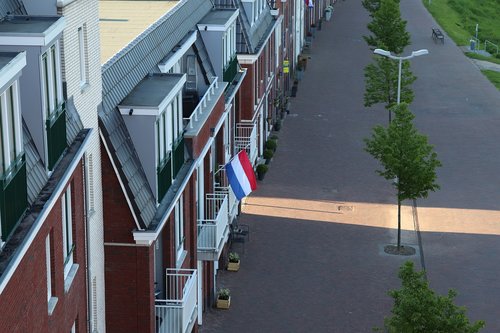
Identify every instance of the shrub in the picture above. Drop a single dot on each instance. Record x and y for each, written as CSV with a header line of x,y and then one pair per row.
x,y
271,144
268,154
262,168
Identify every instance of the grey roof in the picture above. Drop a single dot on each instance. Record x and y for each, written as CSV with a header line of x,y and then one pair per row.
x,y
129,66
218,17
24,227
128,164
11,7
36,176
204,59
27,24
252,36
73,122
152,90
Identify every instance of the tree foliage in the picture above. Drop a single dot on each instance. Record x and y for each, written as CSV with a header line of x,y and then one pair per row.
x,y
381,82
405,153
387,28
406,156
418,309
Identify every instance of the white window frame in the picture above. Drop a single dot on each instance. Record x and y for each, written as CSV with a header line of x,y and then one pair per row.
x,y
48,265
50,63
73,328
11,143
179,228
82,47
67,231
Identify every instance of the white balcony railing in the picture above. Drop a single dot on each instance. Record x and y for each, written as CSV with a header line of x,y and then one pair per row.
x,y
246,138
222,186
203,105
178,312
214,228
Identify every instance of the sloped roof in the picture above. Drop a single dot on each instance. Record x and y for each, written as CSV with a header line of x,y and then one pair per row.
x,y
259,31
120,74
11,7
127,68
36,176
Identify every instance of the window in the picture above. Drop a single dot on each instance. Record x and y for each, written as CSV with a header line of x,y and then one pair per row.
x,y
82,44
169,128
48,263
11,134
67,228
179,227
51,80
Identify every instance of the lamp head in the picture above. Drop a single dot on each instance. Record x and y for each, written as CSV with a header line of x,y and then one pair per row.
x,y
419,52
382,52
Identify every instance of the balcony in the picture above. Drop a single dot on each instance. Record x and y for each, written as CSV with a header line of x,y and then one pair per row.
x,y
178,313
13,196
222,186
213,230
56,135
231,70
201,112
246,138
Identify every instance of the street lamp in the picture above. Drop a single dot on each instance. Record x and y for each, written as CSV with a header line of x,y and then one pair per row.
x,y
389,55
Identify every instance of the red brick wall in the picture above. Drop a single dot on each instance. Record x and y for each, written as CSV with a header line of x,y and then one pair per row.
x,y
118,220
129,289
24,300
247,94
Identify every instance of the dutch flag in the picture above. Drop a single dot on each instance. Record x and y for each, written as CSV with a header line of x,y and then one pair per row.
x,y
240,174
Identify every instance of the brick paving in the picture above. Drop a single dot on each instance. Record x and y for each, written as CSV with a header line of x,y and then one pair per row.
x,y
321,217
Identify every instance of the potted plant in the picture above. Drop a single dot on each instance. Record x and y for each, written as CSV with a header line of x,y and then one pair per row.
x,y
234,262
277,125
271,144
223,298
268,155
261,171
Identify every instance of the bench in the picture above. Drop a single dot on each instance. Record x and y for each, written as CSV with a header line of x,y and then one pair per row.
x,y
437,35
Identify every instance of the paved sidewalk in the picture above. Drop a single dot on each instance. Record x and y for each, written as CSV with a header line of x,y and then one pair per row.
x,y
321,217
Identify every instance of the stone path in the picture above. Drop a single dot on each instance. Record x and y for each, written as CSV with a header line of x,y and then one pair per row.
x,y
321,217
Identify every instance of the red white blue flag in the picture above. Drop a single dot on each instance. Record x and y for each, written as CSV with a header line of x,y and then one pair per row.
x,y
310,3
240,175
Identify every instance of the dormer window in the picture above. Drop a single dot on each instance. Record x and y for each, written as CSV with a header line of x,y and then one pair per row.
x,y
11,133
170,143
13,189
51,81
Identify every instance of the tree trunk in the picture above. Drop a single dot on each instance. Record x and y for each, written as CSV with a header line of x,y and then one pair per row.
x,y
399,223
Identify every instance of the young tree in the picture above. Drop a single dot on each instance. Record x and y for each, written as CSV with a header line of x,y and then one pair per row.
x,y
388,29
381,83
418,309
405,156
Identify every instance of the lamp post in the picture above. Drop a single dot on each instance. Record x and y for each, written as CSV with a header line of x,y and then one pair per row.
x,y
389,55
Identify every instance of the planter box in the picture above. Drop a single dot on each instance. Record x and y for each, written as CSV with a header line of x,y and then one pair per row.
x,y
233,266
223,303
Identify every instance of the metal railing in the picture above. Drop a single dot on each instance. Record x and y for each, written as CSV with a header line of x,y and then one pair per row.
x,y
213,228
179,310
246,138
202,105
222,186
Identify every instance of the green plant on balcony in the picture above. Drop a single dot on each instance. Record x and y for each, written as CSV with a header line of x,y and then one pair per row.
x,y
234,262
223,298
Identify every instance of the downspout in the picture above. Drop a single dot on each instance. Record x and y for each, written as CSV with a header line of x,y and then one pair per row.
x,y
88,289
